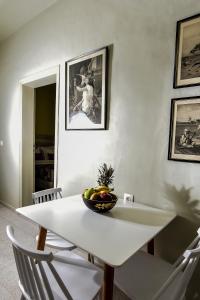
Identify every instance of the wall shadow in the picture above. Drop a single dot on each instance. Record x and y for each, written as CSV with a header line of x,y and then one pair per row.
x,y
184,205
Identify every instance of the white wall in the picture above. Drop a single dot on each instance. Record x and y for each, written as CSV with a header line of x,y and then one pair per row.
x,y
142,59
142,35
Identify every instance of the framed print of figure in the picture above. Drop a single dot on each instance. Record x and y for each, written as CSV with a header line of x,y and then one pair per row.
x,y
86,91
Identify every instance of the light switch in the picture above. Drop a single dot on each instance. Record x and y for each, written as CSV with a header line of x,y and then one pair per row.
x,y
128,197
1,143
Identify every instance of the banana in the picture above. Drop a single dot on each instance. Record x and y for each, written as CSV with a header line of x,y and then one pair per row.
x,y
102,188
94,196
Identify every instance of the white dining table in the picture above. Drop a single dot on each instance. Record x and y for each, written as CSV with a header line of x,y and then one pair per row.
x,y
113,237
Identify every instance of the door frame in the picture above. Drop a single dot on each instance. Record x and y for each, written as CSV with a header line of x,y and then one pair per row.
x,y
42,78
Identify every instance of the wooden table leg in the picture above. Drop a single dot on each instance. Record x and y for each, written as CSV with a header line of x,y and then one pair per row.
x,y
41,238
150,247
108,282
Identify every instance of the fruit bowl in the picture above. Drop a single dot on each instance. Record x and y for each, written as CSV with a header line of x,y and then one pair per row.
x,y
99,200
99,206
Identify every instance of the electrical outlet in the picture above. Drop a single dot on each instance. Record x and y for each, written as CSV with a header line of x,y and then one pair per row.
x,y
128,197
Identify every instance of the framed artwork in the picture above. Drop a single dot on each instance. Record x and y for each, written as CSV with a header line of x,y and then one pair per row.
x,y
184,138
86,91
187,53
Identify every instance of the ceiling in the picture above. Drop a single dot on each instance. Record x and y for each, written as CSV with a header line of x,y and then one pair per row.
x,y
16,13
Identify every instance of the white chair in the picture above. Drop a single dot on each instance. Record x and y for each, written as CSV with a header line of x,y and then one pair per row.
x,y
52,240
44,276
146,277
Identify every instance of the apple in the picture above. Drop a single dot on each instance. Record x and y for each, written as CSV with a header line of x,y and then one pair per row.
x,y
106,196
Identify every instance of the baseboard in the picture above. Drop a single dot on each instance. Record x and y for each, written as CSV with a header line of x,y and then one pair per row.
x,y
7,205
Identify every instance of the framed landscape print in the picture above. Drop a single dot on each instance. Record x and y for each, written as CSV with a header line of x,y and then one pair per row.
x,y
86,81
184,139
187,53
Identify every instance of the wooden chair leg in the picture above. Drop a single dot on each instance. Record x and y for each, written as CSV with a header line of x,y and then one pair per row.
x,y
91,258
41,238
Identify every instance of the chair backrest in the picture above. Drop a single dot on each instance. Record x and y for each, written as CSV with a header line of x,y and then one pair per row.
x,y
47,195
33,280
184,267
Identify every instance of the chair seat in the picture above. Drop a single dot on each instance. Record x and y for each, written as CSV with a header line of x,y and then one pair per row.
x,y
143,275
83,279
54,241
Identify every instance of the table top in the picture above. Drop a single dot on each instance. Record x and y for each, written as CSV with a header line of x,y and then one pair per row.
x,y
112,237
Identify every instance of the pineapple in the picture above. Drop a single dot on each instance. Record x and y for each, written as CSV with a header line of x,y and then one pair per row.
x,y
105,176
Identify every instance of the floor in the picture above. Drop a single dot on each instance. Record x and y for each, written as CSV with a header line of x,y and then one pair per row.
x,y
25,231
8,277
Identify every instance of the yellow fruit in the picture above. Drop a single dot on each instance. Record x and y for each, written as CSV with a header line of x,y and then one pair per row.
x,y
102,188
94,196
103,192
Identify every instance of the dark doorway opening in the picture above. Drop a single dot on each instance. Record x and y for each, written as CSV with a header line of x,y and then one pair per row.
x,y
45,104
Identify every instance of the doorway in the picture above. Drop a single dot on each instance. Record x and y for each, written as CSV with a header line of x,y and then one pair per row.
x,y
45,101
39,147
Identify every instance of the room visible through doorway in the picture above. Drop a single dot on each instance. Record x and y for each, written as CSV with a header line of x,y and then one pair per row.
x,y
45,103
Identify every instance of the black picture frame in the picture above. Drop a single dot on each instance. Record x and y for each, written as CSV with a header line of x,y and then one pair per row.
x,y
184,136
86,91
187,53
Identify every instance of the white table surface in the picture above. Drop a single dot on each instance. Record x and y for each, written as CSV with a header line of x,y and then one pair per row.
x,y
112,237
